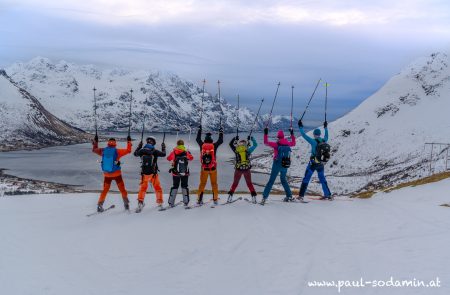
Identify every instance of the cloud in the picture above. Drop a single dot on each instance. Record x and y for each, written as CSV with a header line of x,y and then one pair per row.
x,y
222,12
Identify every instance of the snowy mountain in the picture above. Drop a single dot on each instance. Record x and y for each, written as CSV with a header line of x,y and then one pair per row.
x,y
65,89
25,123
279,122
382,141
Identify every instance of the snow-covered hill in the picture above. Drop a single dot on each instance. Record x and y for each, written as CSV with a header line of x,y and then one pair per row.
x,y
49,246
25,123
66,90
382,141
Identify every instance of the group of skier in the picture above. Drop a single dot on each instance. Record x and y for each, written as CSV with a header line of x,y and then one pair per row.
x,y
181,156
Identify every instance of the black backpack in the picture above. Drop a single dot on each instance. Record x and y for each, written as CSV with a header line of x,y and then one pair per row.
x,y
148,164
181,164
284,156
323,150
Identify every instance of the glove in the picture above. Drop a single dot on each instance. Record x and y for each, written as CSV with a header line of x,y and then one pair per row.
x,y
325,124
266,131
140,145
128,138
236,137
249,138
200,128
291,131
163,146
221,130
300,123
96,138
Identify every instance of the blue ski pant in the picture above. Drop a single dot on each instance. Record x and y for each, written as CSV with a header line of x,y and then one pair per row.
x,y
307,178
277,169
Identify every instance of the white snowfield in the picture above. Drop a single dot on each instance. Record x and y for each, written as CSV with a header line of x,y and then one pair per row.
x,y
382,141
49,246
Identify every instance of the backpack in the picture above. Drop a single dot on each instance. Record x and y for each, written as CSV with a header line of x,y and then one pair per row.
x,y
208,158
284,156
180,164
148,164
242,158
109,160
322,153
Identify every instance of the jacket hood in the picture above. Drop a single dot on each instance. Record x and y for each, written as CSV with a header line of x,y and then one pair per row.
x,y
280,134
179,149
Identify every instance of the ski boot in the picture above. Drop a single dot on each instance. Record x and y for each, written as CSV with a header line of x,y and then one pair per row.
x,y
263,201
215,202
200,200
100,208
288,199
300,199
230,197
126,204
140,206
185,192
253,194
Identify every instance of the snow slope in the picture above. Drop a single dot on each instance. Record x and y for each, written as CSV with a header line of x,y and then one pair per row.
x,y
382,141
25,123
49,246
66,90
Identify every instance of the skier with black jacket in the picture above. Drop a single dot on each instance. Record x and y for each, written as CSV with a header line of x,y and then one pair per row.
x,y
149,170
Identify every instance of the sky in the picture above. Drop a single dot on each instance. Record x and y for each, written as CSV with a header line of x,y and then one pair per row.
x,y
250,46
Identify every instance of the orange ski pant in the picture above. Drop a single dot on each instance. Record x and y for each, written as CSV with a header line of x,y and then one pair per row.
x,y
204,178
154,180
107,185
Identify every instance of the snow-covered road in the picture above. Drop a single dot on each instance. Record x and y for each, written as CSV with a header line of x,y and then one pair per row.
x,y
49,246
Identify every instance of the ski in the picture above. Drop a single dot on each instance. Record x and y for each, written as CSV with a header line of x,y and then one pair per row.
x,y
232,201
332,199
170,207
198,205
106,209
293,201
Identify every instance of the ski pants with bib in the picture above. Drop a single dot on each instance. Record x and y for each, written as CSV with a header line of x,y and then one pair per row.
x,y
154,180
107,185
204,174
177,179
277,169
307,178
248,179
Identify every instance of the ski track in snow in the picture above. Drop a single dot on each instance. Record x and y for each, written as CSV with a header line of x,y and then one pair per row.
x,y
49,246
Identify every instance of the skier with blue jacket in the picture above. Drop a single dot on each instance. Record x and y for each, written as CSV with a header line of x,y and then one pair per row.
x,y
315,163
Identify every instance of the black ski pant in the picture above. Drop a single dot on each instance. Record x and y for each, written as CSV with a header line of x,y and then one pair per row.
x,y
177,180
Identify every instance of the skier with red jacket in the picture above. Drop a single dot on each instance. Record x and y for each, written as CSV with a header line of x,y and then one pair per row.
x,y
180,158
111,169
208,152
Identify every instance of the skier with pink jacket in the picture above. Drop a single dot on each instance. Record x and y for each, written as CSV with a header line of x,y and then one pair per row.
x,y
281,162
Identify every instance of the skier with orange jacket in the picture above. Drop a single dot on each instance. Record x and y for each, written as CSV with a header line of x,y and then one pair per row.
x,y
111,169
208,153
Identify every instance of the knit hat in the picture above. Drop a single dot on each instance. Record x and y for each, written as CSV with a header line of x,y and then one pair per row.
x,y
208,138
280,134
112,142
317,132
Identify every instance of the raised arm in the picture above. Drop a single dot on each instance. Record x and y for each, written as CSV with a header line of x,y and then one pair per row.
x,y
199,137
220,140
232,144
272,144
254,145
96,149
123,152
305,136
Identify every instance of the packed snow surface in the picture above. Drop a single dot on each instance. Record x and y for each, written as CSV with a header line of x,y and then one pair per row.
x,y
49,246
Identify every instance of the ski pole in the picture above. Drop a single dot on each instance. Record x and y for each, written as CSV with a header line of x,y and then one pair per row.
x,y
238,119
129,117
220,106
326,99
256,118
189,139
165,125
203,98
307,106
292,102
142,132
95,113
273,104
